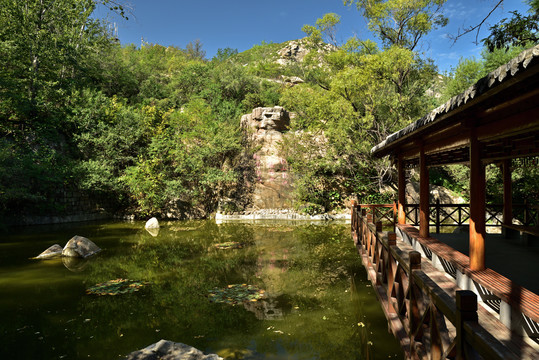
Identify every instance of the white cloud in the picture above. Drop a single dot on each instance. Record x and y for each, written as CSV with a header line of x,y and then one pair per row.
x,y
458,11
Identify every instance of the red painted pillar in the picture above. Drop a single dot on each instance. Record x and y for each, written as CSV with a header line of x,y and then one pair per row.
x,y
402,191
477,205
423,195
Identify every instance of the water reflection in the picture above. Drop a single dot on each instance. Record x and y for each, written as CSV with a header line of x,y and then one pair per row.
x,y
310,310
76,264
153,231
271,308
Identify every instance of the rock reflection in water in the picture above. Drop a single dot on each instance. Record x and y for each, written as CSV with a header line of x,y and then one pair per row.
x,y
271,308
153,231
75,264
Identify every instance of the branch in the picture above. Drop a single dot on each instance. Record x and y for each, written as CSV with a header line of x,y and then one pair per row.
x,y
476,28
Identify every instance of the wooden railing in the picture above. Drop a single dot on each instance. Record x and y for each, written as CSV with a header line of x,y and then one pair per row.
x,y
386,213
429,314
441,215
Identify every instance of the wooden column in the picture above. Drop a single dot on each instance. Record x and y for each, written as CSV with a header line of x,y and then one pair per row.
x,y
423,195
477,205
507,193
402,191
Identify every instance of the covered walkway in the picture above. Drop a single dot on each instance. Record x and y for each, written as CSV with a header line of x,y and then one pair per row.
x,y
505,256
429,284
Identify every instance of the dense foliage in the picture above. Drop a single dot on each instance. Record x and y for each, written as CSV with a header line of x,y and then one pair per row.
x,y
155,130
144,128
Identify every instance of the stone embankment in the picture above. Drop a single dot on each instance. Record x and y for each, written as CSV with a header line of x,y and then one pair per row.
x,y
279,214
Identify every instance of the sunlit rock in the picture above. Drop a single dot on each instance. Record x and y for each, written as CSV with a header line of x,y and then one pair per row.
x,y
152,224
164,349
79,246
52,252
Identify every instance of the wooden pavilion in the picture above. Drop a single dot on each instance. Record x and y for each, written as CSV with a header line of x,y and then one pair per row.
x,y
493,122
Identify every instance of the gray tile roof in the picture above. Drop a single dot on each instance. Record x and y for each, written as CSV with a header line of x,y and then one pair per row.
x,y
493,79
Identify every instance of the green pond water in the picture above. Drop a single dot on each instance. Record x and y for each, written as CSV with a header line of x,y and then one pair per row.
x,y
316,304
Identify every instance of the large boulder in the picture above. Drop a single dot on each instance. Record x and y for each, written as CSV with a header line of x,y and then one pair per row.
x,y
168,350
79,246
152,224
52,252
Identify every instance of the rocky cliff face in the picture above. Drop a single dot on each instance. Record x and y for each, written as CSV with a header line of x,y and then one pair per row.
x,y
296,50
265,126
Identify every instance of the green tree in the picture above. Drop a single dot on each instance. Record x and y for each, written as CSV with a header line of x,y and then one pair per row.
x,y
467,72
519,30
48,50
194,50
401,22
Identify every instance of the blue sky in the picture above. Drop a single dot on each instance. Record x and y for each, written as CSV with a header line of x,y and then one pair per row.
x,y
240,24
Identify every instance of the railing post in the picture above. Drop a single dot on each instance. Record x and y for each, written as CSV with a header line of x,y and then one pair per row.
x,y
466,311
369,218
353,216
378,226
391,241
391,238
437,216
413,310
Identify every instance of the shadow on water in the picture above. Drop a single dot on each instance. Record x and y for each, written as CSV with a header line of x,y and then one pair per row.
x,y
316,300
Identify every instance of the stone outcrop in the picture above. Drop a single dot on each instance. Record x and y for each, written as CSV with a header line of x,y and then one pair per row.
x,y
266,118
444,195
52,252
266,127
168,350
81,247
296,50
292,52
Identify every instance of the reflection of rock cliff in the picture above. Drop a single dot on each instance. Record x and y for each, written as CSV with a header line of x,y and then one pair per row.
x,y
272,188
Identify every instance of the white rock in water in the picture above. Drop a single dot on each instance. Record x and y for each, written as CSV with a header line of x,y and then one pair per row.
x,y
164,349
53,251
79,246
152,224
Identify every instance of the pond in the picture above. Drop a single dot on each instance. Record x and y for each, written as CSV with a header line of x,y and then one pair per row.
x,y
310,295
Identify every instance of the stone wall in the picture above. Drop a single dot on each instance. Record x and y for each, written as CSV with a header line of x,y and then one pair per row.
x,y
68,206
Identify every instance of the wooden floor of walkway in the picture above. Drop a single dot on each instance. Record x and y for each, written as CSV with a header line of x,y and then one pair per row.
x,y
505,256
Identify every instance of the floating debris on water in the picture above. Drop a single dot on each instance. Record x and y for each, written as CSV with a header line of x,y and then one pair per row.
x,y
236,294
116,287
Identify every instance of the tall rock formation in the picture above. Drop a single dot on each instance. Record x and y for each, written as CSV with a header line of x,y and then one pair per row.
x,y
272,188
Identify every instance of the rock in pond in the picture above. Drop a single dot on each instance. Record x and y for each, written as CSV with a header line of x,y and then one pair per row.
x,y
52,252
168,350
152,224
79,246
